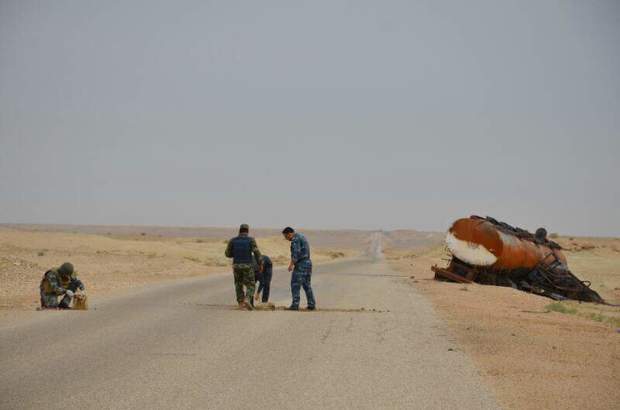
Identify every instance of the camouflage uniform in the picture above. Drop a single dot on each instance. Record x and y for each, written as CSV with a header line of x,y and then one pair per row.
x,y
302,273
56,282
245,253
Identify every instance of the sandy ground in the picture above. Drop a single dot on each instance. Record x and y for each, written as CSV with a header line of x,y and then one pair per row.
x,y
110,260
532,354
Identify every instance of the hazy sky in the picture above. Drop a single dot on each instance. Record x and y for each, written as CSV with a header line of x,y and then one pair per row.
x,y
325,114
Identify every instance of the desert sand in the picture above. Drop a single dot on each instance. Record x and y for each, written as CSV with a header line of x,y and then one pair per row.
x,y
112,259
534,352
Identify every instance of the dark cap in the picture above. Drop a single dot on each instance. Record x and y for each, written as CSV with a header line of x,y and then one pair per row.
x,y
288,229
541,233
66,269
244,228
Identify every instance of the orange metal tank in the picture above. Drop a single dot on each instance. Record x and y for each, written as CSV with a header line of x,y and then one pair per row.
x,y
481,243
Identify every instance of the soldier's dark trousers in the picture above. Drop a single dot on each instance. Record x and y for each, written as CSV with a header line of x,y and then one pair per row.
x,y
264,286
50,300
300,279
65,302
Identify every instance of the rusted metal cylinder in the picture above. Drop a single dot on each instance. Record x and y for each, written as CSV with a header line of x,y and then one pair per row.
x,y
481,243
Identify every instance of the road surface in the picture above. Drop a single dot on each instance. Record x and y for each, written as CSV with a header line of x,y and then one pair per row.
x,y
184,345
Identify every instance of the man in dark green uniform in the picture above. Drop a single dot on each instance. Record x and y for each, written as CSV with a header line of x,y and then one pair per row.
x,y
245,254
57,282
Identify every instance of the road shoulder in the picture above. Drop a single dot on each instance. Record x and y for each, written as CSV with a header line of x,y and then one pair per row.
x,y
533,358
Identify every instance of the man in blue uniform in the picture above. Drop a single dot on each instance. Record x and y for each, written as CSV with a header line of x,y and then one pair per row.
x,y
244,252
265,271
301,268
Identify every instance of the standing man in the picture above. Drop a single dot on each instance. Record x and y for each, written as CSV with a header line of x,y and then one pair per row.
x,y
301,268
57,282
244,252
265,272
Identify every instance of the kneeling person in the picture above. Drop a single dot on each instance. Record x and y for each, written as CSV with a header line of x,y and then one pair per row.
x,y
57,282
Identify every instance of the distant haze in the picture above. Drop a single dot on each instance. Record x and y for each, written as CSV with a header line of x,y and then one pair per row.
x,y
322,114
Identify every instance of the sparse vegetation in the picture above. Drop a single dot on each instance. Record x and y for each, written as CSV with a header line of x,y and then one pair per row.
x,y
120,257
581,310
561,308
335,255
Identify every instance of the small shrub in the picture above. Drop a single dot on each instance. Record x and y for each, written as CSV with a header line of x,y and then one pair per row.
x,y
336,255
561,308
597,317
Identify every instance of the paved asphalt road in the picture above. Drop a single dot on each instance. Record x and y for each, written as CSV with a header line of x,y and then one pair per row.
x,y
184,345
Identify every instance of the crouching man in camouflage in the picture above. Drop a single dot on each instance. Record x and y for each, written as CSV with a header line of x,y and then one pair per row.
x,y
245,254
57,282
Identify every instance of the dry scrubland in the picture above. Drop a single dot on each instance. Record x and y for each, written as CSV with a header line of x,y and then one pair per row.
x,y
111,259
534,352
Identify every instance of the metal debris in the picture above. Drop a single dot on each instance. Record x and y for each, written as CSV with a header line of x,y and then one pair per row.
x,y
490,252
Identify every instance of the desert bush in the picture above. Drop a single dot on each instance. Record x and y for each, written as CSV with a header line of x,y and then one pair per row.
x,y
336,255
561,308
